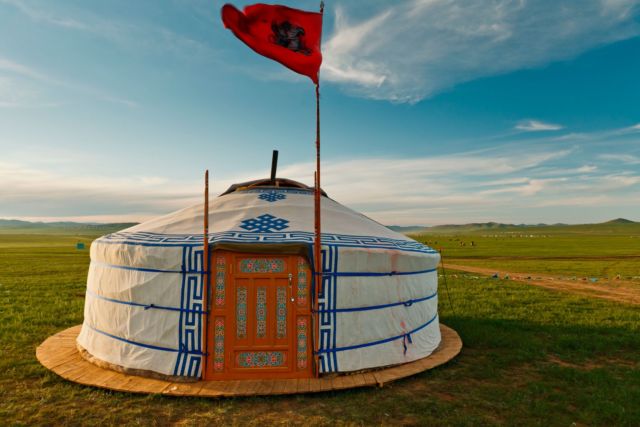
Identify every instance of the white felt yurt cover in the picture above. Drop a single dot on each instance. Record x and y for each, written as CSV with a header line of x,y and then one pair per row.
x,y
143,307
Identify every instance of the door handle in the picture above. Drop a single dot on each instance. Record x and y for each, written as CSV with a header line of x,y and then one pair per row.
x,y
291,287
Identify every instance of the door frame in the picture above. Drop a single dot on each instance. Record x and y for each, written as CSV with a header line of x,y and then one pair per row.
x,y
221,339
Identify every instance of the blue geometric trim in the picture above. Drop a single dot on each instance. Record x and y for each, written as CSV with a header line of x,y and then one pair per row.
x,y
278,190
327,309
189,358
272,196
340,240
264,224
386,340
407,303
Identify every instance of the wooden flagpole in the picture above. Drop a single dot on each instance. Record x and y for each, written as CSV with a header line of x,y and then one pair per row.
x,y
317,244
317,201
205,275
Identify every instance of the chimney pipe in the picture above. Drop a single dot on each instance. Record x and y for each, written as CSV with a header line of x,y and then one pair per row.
x,y
274,166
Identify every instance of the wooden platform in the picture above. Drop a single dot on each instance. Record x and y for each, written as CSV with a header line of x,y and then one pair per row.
x,y
59,354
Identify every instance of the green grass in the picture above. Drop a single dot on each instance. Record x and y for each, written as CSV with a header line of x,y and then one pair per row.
x,y
531,356
569,251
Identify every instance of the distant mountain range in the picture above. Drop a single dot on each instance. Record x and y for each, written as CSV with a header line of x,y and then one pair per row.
x,y
14,225
497,226
27,226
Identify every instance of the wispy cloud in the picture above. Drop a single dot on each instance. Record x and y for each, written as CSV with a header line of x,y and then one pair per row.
x,y
142,36
29,191
536,126
409,51
15,93
524,180
9,66
43,16
634,128
629,159
500,184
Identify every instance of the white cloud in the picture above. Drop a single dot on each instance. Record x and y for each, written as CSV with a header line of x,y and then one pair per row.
x,y
509,184
586,169
30,191
20,93
629,159
363,183
337,64
147,37
13,67
40,15
536,126
529,188
408,51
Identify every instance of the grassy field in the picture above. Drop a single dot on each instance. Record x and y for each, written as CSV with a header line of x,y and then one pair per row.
x,y
531,356
600,251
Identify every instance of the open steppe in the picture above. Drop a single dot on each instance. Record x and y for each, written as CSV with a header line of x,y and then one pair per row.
x,y
532,354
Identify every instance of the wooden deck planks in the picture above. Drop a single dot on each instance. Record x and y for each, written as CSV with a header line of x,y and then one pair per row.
x,y
59,354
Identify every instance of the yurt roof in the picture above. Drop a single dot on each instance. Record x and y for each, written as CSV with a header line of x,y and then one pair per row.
x,y
270,183
257,212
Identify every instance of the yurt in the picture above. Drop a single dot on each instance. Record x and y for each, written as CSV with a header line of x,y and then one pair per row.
x,y
149,312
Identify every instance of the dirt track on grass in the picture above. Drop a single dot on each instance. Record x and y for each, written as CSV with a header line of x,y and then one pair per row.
x,y
616,290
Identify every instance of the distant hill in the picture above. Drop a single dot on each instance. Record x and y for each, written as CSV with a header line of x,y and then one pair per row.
x,y
16,226
616,225
620,221
409,229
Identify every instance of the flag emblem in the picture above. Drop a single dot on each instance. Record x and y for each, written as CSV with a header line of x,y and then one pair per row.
x,y
289,36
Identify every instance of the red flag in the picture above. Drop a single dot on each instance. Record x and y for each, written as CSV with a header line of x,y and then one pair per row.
x,y
289,36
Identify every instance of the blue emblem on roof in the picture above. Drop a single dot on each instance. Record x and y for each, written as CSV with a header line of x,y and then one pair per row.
x,y
264,224
272,196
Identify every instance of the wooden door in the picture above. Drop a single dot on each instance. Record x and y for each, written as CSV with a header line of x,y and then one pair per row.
x,y
260,325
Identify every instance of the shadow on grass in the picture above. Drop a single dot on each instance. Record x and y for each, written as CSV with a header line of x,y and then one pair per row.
x,y
510,371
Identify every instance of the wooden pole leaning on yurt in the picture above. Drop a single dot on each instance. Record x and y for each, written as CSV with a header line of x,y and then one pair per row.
x,y
205,275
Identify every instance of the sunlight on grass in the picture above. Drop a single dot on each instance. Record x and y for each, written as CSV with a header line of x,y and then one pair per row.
x,y
530,356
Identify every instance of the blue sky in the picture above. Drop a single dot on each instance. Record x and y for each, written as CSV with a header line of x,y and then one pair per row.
x,y
433,111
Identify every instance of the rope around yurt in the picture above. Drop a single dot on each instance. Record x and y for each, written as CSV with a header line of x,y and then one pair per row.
x,y
444,279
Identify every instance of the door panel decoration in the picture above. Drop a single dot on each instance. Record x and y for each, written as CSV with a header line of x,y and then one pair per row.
x,y
260,359
241,313
261,312
281,312
218,355
262,265
302,282
302,330
220,281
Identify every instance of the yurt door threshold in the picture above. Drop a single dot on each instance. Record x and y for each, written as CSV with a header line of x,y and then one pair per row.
x,y
260,323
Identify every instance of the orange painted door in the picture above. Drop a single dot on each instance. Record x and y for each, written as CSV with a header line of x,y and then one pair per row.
x,y
261,319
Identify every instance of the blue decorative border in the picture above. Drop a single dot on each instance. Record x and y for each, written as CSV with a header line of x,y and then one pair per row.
x,y
189,360
340,240
327,311
275,189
